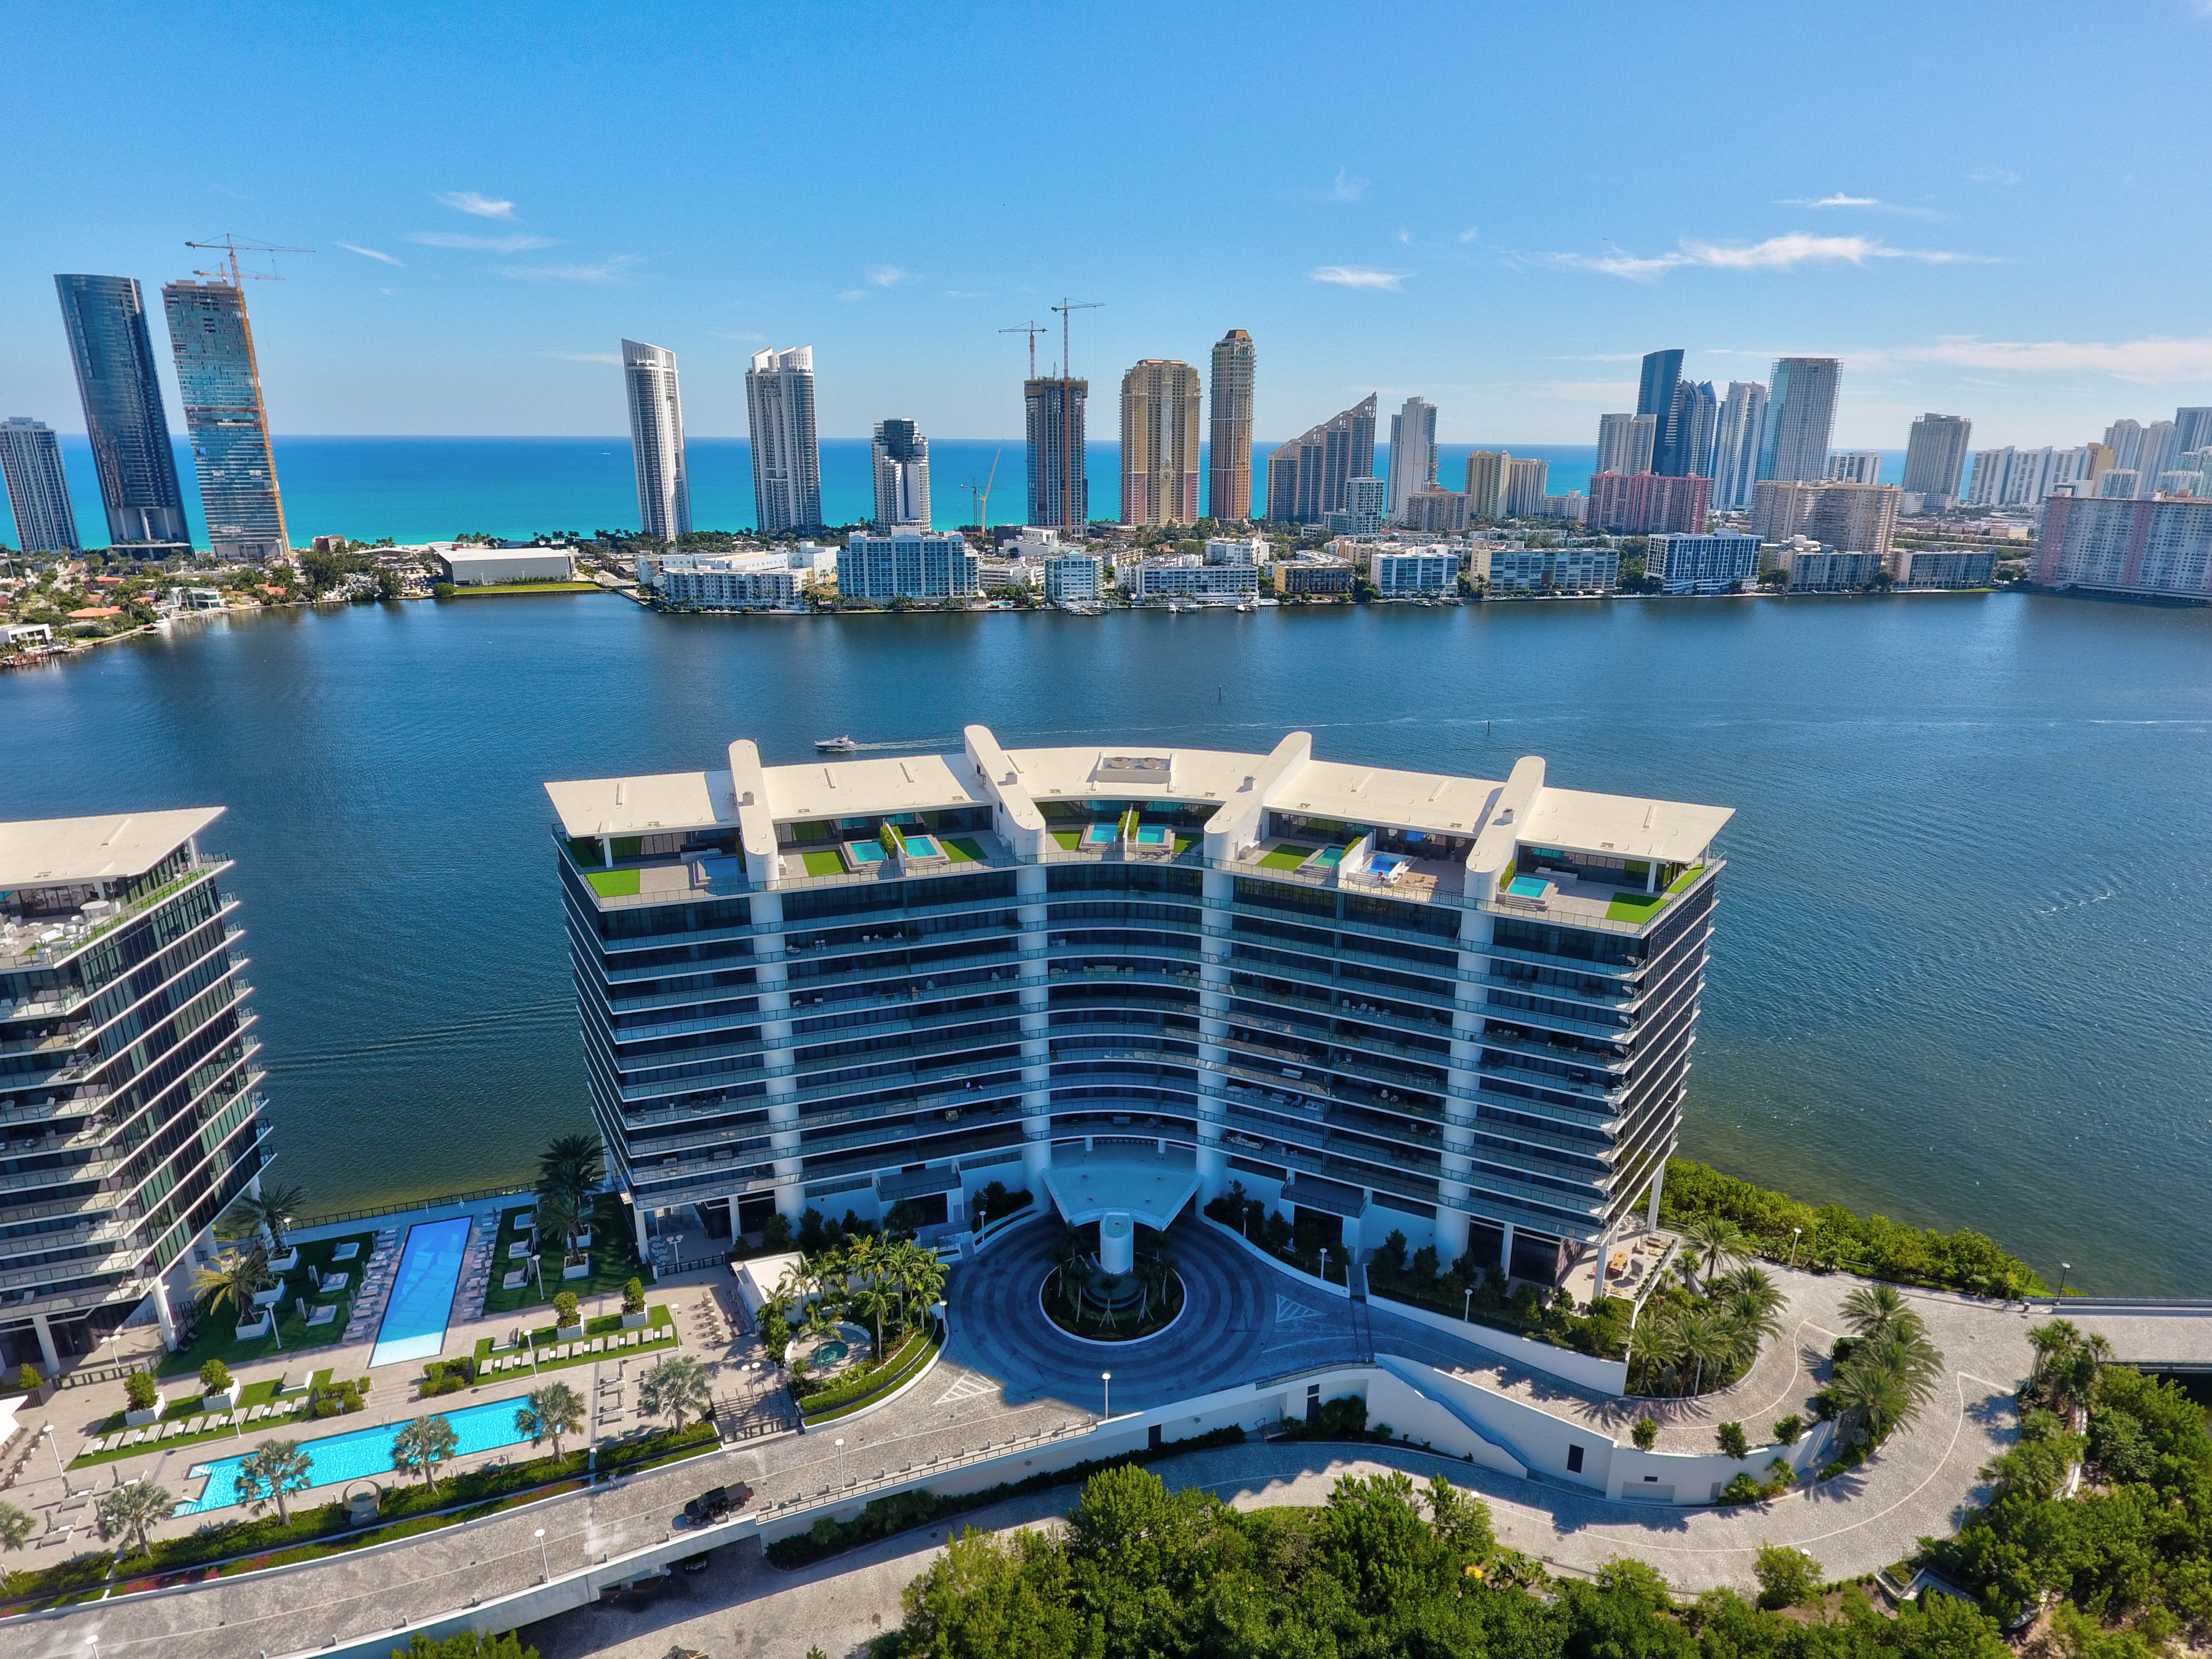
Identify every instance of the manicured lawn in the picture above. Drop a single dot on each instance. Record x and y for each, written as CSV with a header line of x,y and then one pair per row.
x,y
1071,839
1634,907
217,1338
253,1394
1184,843
613,1264
1681,882
612,883
658,1335
1287,858
825,864
964,850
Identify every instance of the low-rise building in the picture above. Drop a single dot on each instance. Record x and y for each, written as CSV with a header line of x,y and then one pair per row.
x,y
1073,578
496,567
908,563
1365,509
15,634
1718,562
1573,507
1823,570
1236,549
1942,567
1314,576
1523,569
1415,572
727,581
1435,511
1186,576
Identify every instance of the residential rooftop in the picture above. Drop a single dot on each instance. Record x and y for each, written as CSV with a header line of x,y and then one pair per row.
x,y
58,852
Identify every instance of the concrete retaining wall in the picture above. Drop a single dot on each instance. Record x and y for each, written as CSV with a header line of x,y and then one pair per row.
x,y
1608,1376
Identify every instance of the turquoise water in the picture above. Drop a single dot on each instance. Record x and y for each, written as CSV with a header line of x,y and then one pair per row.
x,y
924,846
1328,858
1151,835
414,490
1101,834
830,1353
1957,977
366,1452
414,1325
866,852
1526,887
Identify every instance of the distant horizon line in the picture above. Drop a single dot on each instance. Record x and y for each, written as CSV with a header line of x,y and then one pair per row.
x,y
1016,441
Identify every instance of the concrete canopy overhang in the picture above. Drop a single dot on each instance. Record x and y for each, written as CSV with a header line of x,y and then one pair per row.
x,y
1149,1187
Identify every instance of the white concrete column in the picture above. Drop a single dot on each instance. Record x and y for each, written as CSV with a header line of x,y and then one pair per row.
x,y
164,1313
46,1350
1652,1215
637,1220
1117,1244
1029,887
1453,1226
1505,1252
1218,890
771,981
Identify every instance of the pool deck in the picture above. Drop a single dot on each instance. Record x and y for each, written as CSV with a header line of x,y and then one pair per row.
x,y
423,1291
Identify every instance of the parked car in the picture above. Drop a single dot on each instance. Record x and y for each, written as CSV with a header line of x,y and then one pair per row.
x,y
715,1502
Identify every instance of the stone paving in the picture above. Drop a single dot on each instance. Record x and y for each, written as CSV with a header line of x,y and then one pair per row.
x,y
1008,1375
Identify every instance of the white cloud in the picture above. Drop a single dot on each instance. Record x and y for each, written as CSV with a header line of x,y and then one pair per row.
x,y
888,276
468,200
853,294
2159,361
1470,235
1343,188
1786,253
481,244
369,253
1993,176
607,272
965,294
1838,199
587,356
1360,276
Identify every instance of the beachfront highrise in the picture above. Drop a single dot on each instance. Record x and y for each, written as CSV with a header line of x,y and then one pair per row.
x,y
787,450
1385,1001
656,440
1160,401
1309,476
128,1098
901,457
1626,443
1741,422
1059,490
1935,460
1655,396
1800,418
38,490
1488,472
112,351
1413,455
220,381
1228,473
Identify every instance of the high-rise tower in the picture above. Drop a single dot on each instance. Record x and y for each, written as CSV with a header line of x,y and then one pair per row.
x,y
1935,460
656,440
1800,418
1229,475
901,456
1695,426
1309,476
220,380
113,352
38,490
1735,446
1655,396
787,452
1059,491
1413,454
1159,443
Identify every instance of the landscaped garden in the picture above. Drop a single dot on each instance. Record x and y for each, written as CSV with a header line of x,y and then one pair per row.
x,y
569,1211
188,1423
853,1275
244,1272
1083,1299
544,1349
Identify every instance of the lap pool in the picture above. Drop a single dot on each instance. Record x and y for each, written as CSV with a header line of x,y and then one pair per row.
x,y
362,1452
414,1325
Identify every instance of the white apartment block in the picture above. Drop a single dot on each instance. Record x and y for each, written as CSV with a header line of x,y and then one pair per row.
x,y
1942,567
1818,570
908,563
1564,570
1186,576
1460,1008
1238,550
1072,576
1719,561
727,581
1415,572
1861,466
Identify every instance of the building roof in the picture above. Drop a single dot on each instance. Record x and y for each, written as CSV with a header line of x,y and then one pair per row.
x,y
52,852
634,807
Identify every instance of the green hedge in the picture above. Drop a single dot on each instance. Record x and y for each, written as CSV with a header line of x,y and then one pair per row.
x,y
900,1510
1834,1237
869,1381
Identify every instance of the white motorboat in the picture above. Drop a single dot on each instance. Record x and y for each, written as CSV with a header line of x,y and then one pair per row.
x,y
834,745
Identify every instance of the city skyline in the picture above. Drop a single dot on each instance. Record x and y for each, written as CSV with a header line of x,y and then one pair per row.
x,y
1515,290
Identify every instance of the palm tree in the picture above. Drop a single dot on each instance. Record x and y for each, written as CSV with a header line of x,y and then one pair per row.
x,y
677,1387
236,1279
15,1527
1656,1348
1874,1311
277,1205
1707,1341
923,1274
572,1165
1886,1383
550,1411
130,1510
1750,1302
423,1445
873,1302
558,1212
273,1469
1712,1239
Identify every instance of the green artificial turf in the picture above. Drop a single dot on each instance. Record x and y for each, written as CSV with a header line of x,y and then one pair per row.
x,y
1287,858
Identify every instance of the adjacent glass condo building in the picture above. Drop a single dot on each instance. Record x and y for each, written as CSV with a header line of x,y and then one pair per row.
x,y
1457,1007
113,352
220,385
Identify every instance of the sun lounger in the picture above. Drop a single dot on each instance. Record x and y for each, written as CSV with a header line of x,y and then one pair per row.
x,y
99,1444
196,1426
599,1345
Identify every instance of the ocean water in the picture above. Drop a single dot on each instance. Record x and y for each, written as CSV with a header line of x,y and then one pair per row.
x,y
1958,976
417,490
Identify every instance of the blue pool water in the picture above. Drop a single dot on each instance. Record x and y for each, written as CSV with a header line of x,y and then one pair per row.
x,y
830,1353
364,1452
1328,858
1151,835
866,852
924,846
1099,834
414,1325
1526,887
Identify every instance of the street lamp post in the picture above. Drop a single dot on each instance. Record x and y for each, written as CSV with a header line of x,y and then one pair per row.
x,y
1466,1305
54,1446
840,1461
2064,1268
544,1561
1794,1232
1106,1378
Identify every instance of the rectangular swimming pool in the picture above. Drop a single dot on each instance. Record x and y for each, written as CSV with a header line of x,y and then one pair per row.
x,y
350,1456
1151,835
923,846
866,852
414,1325
1528,887
1101,835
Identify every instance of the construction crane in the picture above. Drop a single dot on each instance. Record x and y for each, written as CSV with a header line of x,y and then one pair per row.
x,y
231,244
1064,308
1032,330
981,495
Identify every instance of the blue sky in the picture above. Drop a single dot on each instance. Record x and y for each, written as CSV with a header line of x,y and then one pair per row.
x,y
1991,210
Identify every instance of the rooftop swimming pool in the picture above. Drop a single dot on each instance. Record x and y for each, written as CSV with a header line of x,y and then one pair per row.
x,y
923,846
340,1457
1528,887
1152,835
866,852
1101,835
414,1326
1328,858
